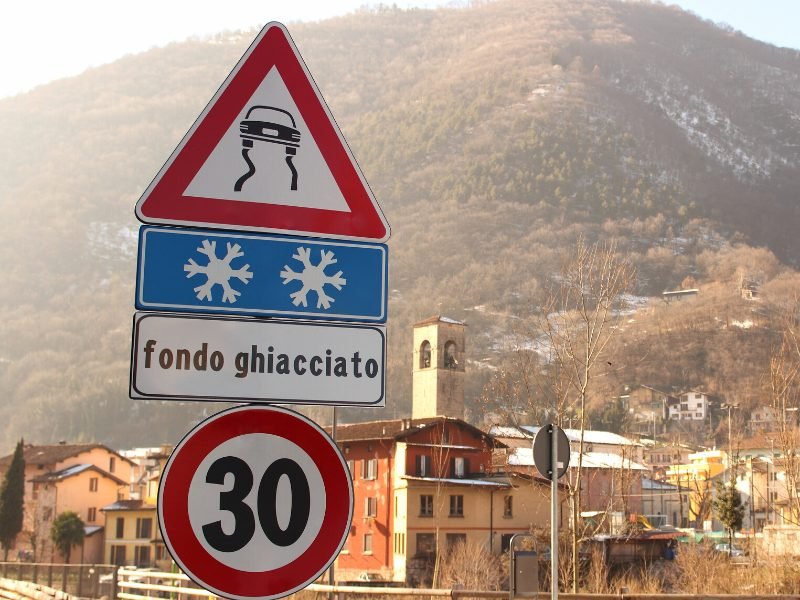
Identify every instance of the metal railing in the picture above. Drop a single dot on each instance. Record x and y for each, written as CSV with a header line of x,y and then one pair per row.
x,y
144,584
11,589
90,581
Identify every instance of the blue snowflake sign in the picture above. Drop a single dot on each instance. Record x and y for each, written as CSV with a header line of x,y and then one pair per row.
x,y
213,272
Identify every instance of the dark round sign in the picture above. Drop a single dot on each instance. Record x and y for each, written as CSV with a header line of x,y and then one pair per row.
x,y
255,502
543,448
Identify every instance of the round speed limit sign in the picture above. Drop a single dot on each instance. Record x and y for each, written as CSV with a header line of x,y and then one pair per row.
x,y
255,502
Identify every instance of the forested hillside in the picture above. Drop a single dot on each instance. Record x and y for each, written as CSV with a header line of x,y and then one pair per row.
x,y
493,136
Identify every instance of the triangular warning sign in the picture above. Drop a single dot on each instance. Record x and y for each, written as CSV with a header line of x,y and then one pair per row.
x,y
266,155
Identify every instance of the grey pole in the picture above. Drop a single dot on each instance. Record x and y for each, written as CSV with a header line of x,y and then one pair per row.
x,y
554,512
331,576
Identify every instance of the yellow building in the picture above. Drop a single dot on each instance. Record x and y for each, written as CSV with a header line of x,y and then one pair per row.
x,y
132,535
695,480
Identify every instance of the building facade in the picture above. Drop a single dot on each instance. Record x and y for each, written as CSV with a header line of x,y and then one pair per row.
x,y
67,477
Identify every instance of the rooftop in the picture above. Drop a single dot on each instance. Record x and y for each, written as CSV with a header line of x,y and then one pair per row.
x,y
51,454
72,471
393,429
523,457
590,436
460,481
439,319
128,505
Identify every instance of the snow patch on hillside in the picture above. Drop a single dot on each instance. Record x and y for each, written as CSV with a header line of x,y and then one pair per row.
x,y
112,240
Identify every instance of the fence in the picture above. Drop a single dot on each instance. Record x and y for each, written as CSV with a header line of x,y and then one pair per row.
x,y
90,581
144,584
11,589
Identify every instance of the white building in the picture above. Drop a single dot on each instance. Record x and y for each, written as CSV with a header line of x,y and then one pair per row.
x,y
691,406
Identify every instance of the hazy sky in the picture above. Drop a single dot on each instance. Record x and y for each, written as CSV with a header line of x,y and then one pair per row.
x,y
42,40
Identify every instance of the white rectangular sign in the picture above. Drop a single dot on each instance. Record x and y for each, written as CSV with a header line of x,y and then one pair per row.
x,y
177,357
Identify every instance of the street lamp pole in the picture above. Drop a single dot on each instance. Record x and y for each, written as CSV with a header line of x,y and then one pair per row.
x,y
730,436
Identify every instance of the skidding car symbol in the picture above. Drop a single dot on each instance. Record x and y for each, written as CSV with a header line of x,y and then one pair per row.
x,y
258,130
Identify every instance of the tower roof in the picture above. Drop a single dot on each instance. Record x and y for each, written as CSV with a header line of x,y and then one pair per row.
x,y
439,319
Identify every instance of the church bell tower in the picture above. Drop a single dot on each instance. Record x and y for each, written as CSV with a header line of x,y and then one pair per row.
x,y
438,370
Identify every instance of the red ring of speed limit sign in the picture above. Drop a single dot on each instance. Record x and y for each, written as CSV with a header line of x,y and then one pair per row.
x,y
319,481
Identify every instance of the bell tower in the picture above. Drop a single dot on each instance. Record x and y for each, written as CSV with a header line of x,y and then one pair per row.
x,y
438,370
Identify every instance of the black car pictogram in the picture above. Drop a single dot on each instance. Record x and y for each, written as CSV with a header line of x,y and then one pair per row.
x,y
268,129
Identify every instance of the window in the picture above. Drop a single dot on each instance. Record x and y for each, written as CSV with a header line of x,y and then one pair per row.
x,y
91,515
450,361
422,466
371,507
141,556
426,544
367,543
425,355
399,543
112,463
426,505
120,533
351,466
459,467
118,555
508,507
93,483
505,541
369,468
453,539
144,528
456,505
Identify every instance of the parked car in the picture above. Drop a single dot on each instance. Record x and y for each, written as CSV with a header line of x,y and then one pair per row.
x,y
730,550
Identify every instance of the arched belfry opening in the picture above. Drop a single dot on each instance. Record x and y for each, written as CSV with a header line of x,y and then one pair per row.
x,y
438,373
450,360
425,355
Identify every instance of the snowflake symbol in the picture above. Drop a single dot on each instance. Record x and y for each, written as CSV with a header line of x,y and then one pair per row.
x,y
218,271
313,278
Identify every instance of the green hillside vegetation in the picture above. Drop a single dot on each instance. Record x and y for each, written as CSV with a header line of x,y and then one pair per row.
x,y
493,136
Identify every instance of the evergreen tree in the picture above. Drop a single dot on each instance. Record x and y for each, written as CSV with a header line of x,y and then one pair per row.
x,y
67,531
12,495
728,507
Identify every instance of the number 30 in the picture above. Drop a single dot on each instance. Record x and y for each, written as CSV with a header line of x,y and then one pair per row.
x,y
232,501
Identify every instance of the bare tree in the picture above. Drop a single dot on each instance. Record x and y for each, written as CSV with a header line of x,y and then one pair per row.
x,y
570,333
471,566
784,379
440,460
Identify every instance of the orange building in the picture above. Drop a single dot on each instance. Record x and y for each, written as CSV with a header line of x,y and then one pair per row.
x,y
68,477
405,473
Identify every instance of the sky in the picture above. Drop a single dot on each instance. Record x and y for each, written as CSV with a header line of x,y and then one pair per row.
x,y
43,40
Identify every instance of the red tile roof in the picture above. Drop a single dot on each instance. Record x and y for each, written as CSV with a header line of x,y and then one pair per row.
x,y
395,429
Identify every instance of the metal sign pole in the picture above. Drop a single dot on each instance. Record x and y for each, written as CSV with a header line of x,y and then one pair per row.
x,y
554,511
331,575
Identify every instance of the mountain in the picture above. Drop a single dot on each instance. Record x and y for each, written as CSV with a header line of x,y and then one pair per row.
x,y
493,136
